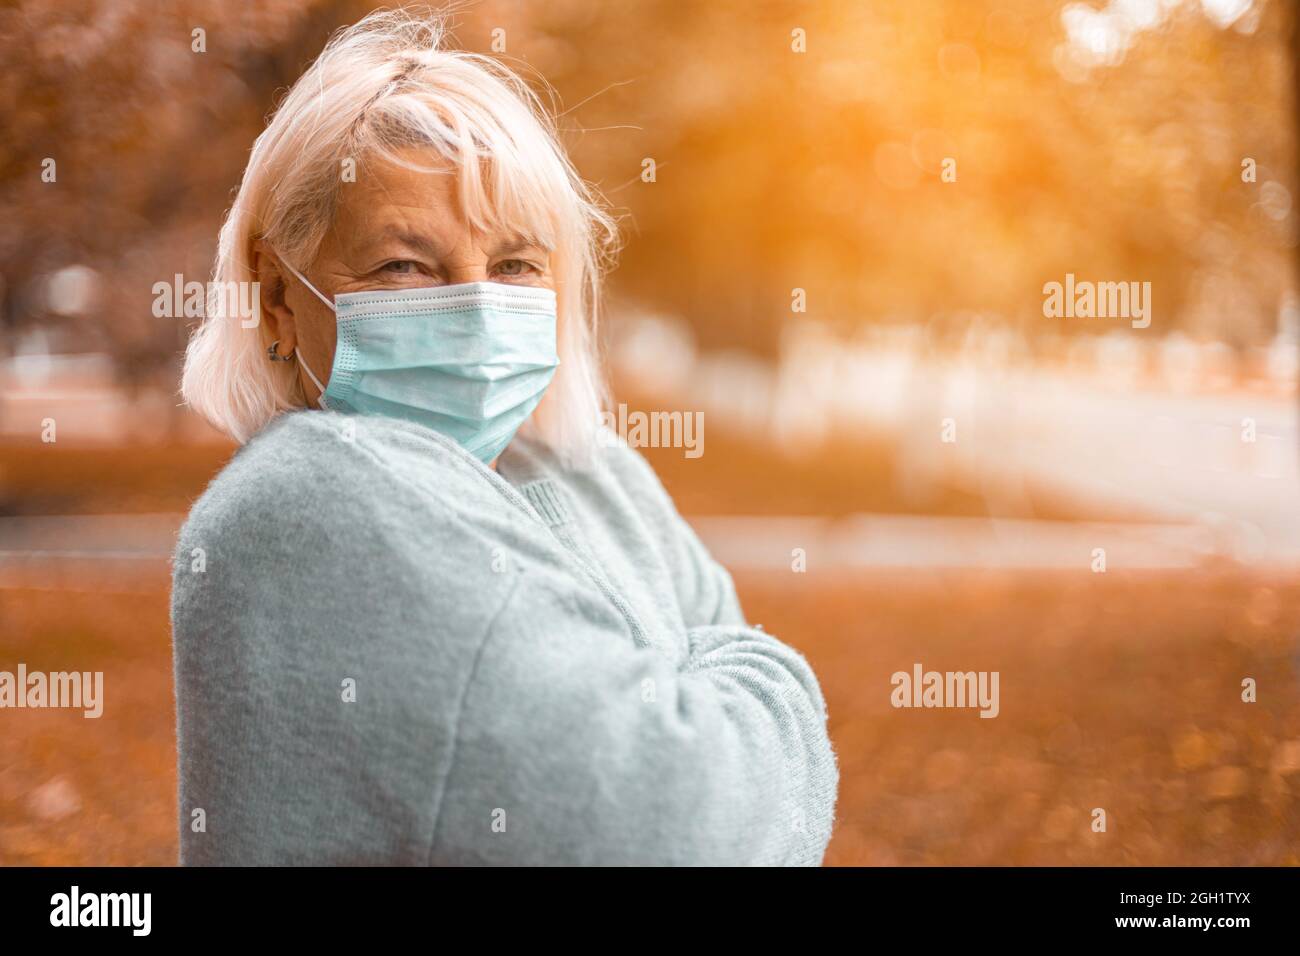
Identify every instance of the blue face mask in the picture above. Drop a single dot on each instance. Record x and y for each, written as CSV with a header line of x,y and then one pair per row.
x,y
470,361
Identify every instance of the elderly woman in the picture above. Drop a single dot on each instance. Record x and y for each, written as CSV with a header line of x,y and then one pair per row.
x,y
430,613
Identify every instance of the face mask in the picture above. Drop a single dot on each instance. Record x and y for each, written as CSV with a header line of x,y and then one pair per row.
x,y
470,361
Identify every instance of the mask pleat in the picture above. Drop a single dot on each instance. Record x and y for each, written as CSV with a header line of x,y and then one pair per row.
x,y
465,363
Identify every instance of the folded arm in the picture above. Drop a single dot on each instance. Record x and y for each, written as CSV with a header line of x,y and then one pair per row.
x,y
575,747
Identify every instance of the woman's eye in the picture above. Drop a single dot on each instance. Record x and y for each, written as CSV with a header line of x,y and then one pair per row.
x,y
399,266
515,267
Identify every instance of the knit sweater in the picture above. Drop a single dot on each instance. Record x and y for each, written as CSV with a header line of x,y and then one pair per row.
x,y
387,652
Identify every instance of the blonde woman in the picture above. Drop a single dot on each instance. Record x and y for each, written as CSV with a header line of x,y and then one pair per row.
x,y
439,618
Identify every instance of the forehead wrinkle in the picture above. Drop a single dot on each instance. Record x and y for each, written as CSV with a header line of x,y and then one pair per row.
x,y
430,244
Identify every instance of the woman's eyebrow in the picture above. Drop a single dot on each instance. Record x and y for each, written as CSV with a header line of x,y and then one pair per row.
x,y
426,244
513,244
410,240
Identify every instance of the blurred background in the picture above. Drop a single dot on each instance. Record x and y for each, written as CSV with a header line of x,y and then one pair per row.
x,y
864,336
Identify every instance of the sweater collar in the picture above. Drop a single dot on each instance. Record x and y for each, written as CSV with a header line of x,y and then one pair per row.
x,y
531,467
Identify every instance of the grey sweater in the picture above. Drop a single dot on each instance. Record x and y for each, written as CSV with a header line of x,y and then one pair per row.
x,y
388,653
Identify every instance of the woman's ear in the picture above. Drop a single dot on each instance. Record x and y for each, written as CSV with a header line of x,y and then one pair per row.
x,y
272,288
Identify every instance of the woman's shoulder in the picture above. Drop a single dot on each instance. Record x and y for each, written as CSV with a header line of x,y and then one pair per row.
x,y
331,509
633,472
286,467
329,471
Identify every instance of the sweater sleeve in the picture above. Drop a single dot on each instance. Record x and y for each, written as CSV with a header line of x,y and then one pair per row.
x,y
705,590
574,748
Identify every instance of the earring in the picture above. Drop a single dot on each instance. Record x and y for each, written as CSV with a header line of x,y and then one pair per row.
x,y
275,356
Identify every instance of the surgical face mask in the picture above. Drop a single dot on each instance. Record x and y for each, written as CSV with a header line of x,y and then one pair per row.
x,y
470,361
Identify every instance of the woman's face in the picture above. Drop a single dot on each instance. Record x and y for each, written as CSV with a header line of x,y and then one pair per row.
x,y
396,228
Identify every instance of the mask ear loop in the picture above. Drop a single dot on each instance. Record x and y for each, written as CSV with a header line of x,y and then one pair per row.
x,y
320,400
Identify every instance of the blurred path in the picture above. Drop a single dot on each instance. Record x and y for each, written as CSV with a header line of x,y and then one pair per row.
x,y
872,542
130,553
1178,457
1181,441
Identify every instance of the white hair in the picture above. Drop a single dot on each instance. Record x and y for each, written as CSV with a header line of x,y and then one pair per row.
x,y
378,88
